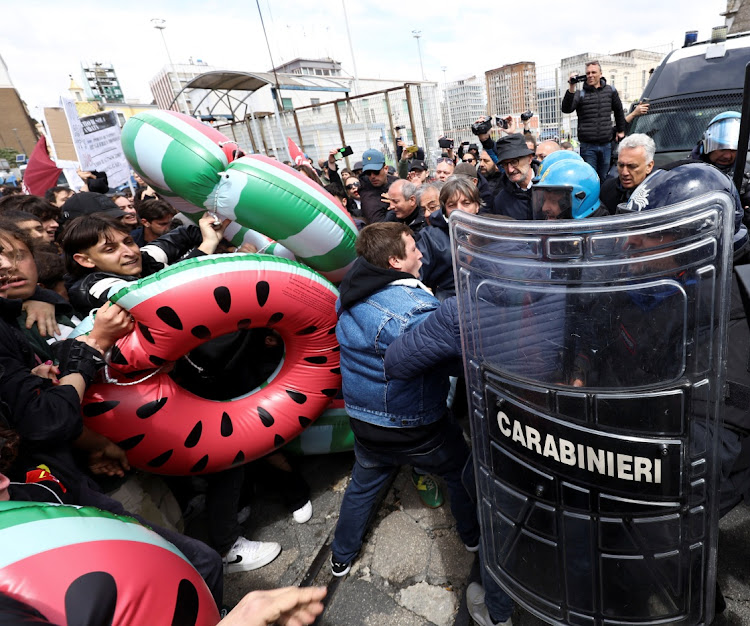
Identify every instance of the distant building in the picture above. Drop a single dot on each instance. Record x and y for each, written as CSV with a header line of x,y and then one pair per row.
x,y
463,102
17,129
737,16
86,106
512,89
170,80
100,83
310,67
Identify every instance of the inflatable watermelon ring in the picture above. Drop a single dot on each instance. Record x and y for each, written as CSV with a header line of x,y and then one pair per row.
x,y
70,563
168,430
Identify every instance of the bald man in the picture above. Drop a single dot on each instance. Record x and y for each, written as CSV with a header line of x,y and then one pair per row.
x,y
545,148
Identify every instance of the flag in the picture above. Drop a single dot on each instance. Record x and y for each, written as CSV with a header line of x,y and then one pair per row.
x,y
41,172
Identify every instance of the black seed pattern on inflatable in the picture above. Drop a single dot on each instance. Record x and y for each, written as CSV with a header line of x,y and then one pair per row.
x,y
223,298
156,360
160,460
278,440
240,458
90,599
147,410
202,332
265,417
137,373
98,408
299,398
276,317
317,360
332,331
331,393
336,370
307,331
117,357
304,421
336,349
145,332
130,442
187,604
200,465
169,316
243,324
226,425
262,290
195,435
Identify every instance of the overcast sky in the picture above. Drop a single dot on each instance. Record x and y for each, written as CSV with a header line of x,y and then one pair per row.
x,y
46,40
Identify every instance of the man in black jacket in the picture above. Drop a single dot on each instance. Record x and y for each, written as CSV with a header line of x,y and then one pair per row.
x,y
514,198
374,182
594,105
635,160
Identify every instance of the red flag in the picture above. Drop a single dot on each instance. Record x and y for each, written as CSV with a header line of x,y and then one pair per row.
x,y
41,172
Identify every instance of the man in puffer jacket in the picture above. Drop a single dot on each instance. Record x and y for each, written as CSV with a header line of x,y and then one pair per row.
x,y
594,105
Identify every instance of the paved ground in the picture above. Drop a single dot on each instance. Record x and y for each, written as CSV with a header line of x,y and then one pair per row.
x,y
414,569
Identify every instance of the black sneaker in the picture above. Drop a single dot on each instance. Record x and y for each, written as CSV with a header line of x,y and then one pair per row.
x,y
340,569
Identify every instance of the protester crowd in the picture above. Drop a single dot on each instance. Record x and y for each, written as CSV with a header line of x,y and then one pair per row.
x,y
62,253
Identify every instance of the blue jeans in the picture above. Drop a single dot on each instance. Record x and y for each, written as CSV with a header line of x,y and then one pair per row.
x,y
597,156
444,455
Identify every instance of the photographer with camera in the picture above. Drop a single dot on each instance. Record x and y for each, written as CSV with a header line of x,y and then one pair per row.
x,y
594,104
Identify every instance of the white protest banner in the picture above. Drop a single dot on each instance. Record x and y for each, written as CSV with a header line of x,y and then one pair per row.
x,y
97,143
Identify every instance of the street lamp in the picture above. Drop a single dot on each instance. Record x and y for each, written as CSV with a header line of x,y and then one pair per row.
x,y
417,34
445,98
160,24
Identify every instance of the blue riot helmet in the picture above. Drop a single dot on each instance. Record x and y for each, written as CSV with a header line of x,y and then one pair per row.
x,y
722,133
685,180
568,188
555,157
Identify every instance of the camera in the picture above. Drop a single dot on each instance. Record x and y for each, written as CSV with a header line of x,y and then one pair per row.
x,y
401,133
445,143
483,126
501,122
577,79
525,117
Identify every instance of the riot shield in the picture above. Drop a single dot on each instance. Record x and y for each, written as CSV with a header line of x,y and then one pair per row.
x,y
594,354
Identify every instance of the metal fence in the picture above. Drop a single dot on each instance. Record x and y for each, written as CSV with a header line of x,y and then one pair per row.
x,y
366,121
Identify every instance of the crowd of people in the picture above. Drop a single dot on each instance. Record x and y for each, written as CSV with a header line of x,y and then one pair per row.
x,y
63,254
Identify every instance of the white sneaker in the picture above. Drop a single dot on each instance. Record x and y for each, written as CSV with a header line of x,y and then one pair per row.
x,y
304,513
478,609
246,555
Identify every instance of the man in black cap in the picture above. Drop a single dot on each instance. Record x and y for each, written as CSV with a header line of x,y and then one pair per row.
x,y
418,172
514,199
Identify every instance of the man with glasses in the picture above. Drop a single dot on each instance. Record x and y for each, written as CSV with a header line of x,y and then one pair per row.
x,y
445,167
470,159
374,184
594,105
514,198
635,160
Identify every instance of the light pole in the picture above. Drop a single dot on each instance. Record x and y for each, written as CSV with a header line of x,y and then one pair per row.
x,y
417,34
445,98
160,25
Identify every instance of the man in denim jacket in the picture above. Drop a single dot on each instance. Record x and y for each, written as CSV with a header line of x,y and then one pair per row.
x,y
395,422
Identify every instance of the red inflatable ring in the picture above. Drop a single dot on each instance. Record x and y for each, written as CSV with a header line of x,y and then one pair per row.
x,y
168,430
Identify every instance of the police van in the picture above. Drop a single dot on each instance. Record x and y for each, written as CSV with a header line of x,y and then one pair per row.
x,y
689,87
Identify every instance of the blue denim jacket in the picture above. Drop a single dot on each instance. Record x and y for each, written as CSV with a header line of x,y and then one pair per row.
x,y
364,332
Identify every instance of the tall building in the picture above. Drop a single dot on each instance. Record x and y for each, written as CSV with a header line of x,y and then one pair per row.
x,y
100,83
463,102
511,89
17,129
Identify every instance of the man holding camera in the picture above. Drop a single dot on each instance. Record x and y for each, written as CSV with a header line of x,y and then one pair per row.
x,y
594,105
